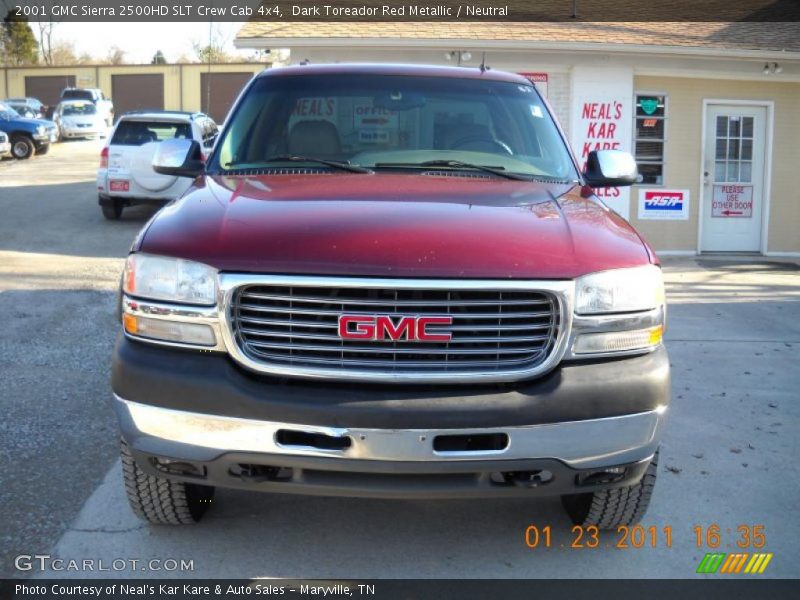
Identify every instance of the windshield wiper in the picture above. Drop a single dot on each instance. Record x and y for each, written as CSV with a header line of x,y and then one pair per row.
x,y
457,164
343,165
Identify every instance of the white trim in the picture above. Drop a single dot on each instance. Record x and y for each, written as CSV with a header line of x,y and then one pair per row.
x,y
541,46
739,75
767,185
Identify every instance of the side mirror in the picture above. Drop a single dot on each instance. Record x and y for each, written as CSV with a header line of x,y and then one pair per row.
x,y
180,158
610,168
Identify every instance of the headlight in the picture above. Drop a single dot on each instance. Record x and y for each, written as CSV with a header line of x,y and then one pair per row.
x,y
170,279
620,290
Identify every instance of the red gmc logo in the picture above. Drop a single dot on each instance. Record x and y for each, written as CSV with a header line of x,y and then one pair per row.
x,y
410,329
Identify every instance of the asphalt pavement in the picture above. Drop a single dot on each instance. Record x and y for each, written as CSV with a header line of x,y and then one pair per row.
x,y
729,456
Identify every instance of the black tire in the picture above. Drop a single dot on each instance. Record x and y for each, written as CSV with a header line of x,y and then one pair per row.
x,y
608,509
43,149
159,500
22,147
112,211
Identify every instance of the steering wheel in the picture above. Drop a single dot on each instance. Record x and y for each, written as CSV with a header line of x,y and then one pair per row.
x,y
481,140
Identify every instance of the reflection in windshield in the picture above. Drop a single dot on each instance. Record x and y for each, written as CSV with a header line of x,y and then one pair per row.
x,y
79,109
398,123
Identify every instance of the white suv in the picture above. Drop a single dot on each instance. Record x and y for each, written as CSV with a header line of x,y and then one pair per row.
x,y
126,174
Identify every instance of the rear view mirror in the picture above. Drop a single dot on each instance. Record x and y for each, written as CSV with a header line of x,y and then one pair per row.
x,y
610,168
180,158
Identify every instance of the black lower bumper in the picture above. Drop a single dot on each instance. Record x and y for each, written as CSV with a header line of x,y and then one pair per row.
x,y
212,384
201,418
371,479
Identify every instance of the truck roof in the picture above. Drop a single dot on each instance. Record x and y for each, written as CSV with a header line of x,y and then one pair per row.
x,y
395,69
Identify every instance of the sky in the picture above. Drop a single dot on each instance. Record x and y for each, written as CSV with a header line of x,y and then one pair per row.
x,y
140,41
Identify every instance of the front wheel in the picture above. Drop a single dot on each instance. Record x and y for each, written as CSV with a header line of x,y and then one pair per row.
x,y
159,500
608,509
22,147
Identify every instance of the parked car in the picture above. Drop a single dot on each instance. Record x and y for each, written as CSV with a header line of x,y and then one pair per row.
x,y
126,174
5,145
105,107
28,136
27,107
391,281
79,119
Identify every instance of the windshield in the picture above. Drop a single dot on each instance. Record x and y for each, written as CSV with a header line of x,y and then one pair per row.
x,y
7,112
76,95
79,109
395,122
138,133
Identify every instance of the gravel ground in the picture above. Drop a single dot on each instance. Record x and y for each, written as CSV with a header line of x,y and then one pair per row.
x,y
730,453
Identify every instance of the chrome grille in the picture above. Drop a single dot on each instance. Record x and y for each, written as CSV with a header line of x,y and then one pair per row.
x,y
296,327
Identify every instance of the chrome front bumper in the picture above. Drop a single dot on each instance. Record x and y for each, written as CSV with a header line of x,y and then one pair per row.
x,y
591,443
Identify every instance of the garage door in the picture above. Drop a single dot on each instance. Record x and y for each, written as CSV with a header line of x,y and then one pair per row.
x,y
137,92
225,88
47,88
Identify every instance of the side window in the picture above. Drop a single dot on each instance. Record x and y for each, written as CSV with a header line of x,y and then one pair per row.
x,y
209,131
650,126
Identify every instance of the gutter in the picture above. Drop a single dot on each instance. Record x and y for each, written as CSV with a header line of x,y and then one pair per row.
x,y
587,47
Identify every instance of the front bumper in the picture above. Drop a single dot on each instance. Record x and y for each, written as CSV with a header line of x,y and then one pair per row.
x,y
236,429
82,132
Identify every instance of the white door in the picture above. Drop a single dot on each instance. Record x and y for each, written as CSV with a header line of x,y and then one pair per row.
x,y
733,184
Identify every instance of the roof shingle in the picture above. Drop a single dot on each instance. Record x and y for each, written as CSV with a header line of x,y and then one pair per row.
x,y
777,36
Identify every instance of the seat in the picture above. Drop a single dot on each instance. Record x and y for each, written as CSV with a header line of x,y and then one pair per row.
x,y
314,138
467,136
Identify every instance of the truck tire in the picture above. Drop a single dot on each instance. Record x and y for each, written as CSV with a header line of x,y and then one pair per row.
x,y
22,146
112,210
42,149
159,500
608,509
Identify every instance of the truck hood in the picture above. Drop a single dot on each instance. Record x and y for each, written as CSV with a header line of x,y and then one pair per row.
x,y
394,225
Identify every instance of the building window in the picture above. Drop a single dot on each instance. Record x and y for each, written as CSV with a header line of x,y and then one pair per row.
x,y
649,136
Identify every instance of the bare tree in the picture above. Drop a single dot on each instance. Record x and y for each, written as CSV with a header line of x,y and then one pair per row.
x,y
115,56
46,29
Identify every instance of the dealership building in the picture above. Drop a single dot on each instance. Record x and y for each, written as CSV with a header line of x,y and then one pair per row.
x,y
711,111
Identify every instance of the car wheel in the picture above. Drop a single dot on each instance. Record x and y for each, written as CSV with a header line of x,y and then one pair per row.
x,y
159,500
112,210
22,147
608,509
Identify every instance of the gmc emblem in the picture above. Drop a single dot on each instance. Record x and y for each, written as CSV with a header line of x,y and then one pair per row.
x,y
410,329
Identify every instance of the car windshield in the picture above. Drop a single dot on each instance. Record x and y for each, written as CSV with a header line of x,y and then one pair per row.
x,y
137,133
79,109
395,122
7,112
76,95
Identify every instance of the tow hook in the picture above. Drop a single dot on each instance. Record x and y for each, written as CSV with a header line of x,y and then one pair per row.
x,y
528,479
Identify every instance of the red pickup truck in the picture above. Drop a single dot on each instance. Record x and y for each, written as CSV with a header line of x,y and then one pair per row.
x,y
391,281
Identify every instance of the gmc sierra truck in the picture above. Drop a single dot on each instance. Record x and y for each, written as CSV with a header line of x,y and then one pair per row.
x,y
391,281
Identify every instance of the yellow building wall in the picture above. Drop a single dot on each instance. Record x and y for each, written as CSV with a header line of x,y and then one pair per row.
x,y
84,77
192,74
181,82
683,155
